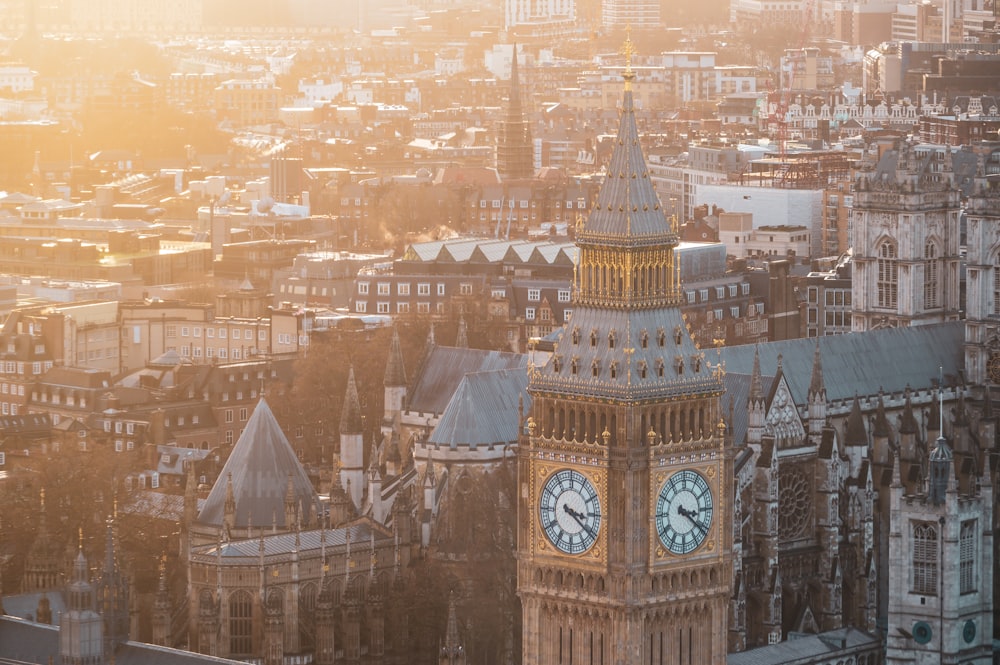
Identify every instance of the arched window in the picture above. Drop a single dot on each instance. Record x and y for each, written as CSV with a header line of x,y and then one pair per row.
x,y
932,269
241,624
925,558
307,611
967,557
888,274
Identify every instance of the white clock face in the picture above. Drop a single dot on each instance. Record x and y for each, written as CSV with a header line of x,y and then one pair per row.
x,y
570,511
684,512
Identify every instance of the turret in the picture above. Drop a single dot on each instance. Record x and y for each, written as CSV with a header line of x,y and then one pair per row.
x,y
394,383
817,396
161,608
352,444
81,634
452,651
756,406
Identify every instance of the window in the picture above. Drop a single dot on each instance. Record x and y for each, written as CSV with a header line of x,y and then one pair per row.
x,y
887,279
703,295
440,290
732,290
229,437
361,306
383,308
745,288
925,552
996,287
563,295
402,308
185,331
720,292
423,308
529,313
465,289
383,288
423,289
210,332
690,297
243,414
932,267
3,458
171,331
403,288
248,333
197,331
363,288
222,353
967,557
222,333
534,295
240,623
734,312
567,313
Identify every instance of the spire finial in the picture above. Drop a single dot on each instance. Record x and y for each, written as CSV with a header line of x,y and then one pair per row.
x,y
628,50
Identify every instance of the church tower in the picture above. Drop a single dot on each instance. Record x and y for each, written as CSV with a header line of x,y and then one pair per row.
x,y
906,241
515,152
624,526
982,305
80,627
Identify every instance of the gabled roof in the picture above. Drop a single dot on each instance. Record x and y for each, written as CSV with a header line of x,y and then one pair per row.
x,y
484,410
261,464
890,359
445,368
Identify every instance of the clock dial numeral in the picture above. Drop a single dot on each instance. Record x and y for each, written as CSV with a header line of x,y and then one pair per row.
x,y
684,509
570,511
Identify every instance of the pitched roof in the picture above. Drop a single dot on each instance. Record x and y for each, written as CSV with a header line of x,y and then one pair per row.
x,y
484,410
261,464
861,363
807,649
445,368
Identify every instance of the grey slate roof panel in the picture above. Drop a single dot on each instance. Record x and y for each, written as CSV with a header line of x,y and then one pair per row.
x,y
445,368
861,363
260,464
483,410
27,642
806,649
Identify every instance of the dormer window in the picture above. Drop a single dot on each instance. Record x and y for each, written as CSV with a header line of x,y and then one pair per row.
x,y
595,368
576,335
556,363
614,370
642,369
644,339
593,338
612,338
574,366
679,365
677,334
661,337
659,367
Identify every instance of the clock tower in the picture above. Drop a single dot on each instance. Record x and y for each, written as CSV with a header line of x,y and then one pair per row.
x,y
625,475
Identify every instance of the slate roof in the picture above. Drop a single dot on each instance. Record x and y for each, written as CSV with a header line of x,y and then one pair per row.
x,y
807,649
627,205
737,396
861,363
260,465
446,366
27,642
361,533
483,410
619,365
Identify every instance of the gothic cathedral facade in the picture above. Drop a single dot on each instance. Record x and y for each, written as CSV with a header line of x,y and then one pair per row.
x,y
625,468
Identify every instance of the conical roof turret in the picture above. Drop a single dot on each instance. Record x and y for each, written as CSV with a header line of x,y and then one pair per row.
x,y
395,372
350,415
817,389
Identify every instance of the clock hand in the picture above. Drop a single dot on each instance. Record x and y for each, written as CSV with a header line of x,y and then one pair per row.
x,y
579,517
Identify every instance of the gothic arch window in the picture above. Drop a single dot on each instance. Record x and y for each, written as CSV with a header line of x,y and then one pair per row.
x,y
241,624
887,263
925,558
307,609
967,557
932,276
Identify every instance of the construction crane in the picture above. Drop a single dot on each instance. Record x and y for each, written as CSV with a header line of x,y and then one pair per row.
x,y
779,96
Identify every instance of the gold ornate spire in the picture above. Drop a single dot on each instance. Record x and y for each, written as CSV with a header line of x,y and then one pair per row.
x,y
628,50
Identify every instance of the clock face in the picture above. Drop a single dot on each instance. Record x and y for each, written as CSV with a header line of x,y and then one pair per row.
x,y
684,512
993,367
570,511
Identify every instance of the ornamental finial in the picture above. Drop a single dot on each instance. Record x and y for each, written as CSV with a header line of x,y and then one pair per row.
x,y
628,50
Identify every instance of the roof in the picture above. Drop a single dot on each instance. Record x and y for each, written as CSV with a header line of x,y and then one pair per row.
x,y
360,533
627,205
890,359
807,649
28,642
484,411
261,466
445,368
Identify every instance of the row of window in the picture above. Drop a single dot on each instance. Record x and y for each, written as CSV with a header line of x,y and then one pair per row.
x,y
832,297
545,314
12,367
403,288
11,388
361,307
925,552
720,292
187,331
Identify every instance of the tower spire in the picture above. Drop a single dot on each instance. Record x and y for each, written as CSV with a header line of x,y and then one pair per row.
x,y
515,153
